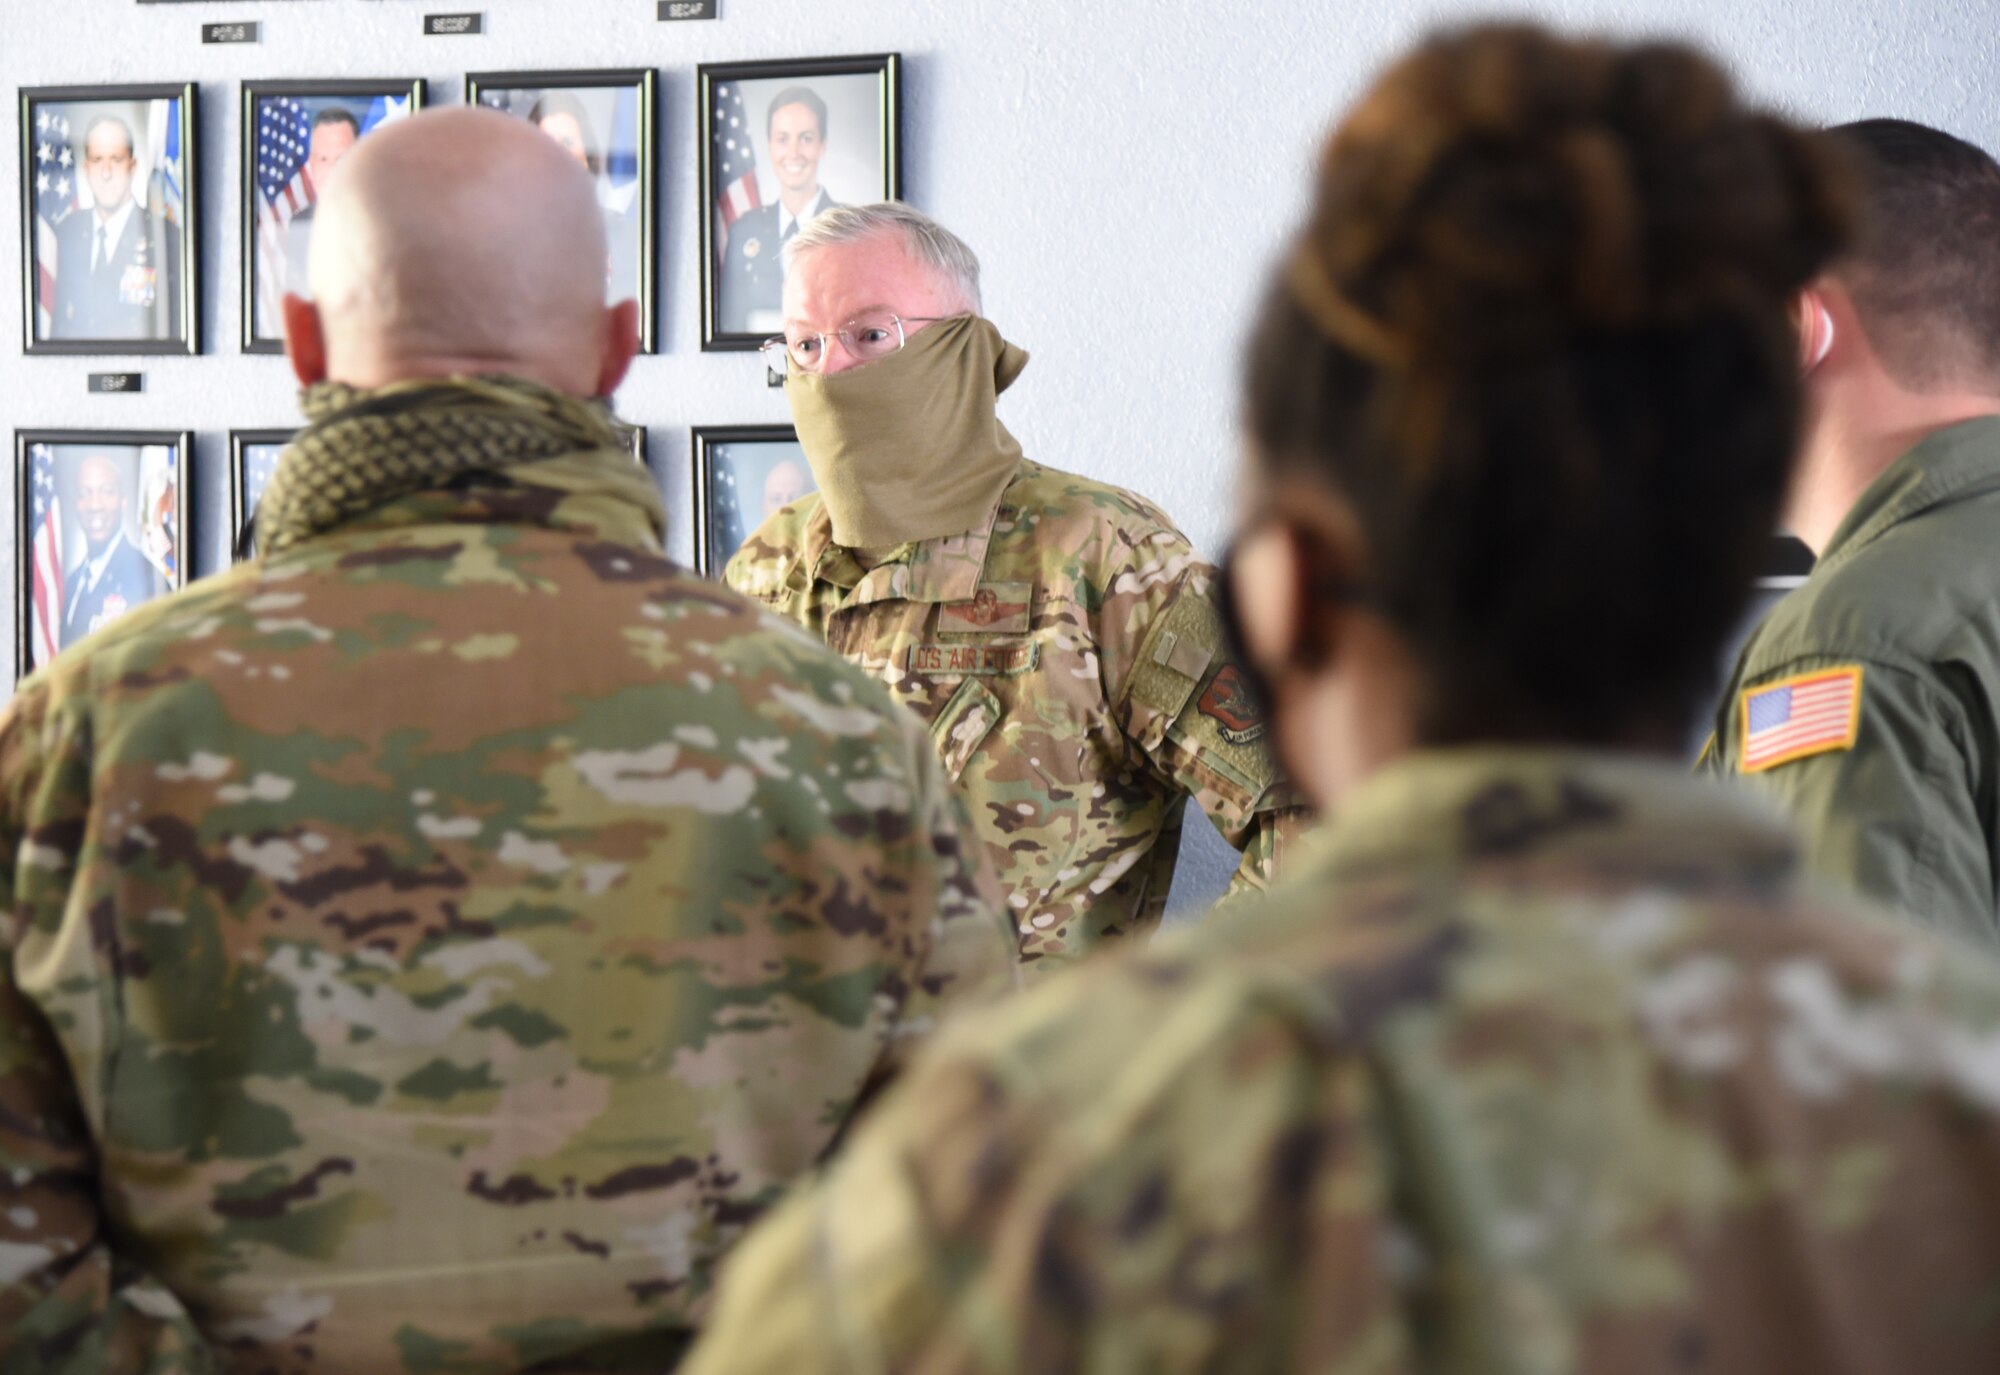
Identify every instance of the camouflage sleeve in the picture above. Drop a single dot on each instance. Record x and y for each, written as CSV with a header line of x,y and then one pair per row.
x,y
972,959
1893,812
68,1304
1186,704
1002,1212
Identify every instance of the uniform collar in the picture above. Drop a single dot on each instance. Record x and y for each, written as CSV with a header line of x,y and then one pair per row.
x,y
95,564
945,569
600,493
1955,462
1624,817
113,227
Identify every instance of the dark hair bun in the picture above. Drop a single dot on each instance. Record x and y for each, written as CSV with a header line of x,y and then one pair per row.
x,y
1501,187
1536,335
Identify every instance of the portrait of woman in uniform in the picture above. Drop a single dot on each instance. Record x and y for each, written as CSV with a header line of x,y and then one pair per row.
x,y
743,474
102,521
109,237
605,120
781,142
294,134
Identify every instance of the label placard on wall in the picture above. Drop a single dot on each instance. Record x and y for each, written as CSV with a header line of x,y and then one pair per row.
x,y
452,25
689,9
111,383
232,33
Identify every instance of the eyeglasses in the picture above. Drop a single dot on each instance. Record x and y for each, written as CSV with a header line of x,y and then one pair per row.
x,y
866,338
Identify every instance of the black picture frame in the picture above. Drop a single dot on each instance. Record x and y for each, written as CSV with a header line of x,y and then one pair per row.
x,y
705,440
644,85
253,260
47,181
29,542
242,502
712,84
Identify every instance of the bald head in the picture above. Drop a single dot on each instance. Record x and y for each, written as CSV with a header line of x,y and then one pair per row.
x,y
459,241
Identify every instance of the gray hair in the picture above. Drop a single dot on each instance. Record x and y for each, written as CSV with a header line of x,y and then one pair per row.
x,y
924,239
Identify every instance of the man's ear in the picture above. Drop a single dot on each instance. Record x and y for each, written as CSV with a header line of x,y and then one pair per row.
x,y
1815,327
621,345
1294,585
305,340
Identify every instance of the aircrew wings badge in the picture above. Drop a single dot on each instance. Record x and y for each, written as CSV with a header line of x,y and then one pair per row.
x,y
1813,713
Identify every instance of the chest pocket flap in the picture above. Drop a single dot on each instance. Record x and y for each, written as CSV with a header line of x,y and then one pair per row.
x,y
967,719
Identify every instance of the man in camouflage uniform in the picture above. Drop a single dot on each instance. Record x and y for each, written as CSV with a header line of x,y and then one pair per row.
x,y
1058,636
1866,703
430,944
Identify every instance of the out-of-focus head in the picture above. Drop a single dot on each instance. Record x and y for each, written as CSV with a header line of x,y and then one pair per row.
x,y
855,261
784,485
100,498
795,134
1924,272
562,117
460,241
1521,402
334,132
109,160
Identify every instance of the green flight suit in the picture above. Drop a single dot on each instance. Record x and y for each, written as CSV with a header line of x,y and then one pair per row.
x,y
1905,803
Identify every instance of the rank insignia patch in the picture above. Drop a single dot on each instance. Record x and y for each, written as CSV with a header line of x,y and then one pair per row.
x,y
999,608
1814,713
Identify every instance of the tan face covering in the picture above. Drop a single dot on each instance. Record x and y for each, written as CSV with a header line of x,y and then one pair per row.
x,y
908,448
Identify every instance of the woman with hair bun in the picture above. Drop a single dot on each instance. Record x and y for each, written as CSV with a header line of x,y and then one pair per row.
x,y
1546,1058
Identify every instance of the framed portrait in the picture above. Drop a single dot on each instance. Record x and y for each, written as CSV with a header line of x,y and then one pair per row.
x,y
606,121
780,142
109,219
294,132
102,529
253,457
742,474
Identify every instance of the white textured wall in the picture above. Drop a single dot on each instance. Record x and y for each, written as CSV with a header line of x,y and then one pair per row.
x,y
1125,169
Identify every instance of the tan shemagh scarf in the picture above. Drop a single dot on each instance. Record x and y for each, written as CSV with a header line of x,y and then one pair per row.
x,y
908,448
364,448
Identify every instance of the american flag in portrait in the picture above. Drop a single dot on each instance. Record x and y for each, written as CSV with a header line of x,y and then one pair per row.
x,y
284,184
259,462
55,197
45,591
284,188
735,161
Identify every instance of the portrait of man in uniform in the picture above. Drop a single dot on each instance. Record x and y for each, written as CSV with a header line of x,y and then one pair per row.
x,y
108,248
101,532
334,130
604,120
743,475
785,142
295,134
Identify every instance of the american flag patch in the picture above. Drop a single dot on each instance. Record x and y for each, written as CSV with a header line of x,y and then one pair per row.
x,y
1811,714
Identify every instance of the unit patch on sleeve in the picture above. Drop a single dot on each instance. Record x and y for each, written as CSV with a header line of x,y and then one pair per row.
x,y
1813,713
1228,702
